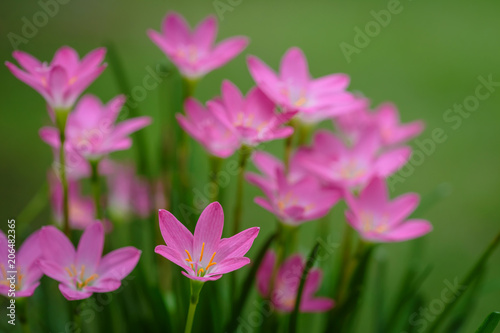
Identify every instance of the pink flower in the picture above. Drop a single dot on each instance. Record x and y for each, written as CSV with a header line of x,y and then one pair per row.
x,y
269,165
385,119
287,283
26,265
208,130
83,272
293,88
194,53
128,193
379,220
251,119
90,129
350,167
292,201
204,256
63,80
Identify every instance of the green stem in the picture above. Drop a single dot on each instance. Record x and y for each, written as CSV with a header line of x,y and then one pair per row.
x,y
96,188
345,259
61,118
195,296
245,153
215,165
288,152
309,264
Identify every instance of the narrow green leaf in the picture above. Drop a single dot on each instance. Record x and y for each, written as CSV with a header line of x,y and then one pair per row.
x,y
490,323
247,286
307,267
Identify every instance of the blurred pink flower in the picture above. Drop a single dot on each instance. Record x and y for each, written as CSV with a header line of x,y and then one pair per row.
x,y
26,264
128,193
84,271
293,202
287,283
252,119
379,220
204,256
91,131
207,129
385,119
334,162
194,53
294,89
63,80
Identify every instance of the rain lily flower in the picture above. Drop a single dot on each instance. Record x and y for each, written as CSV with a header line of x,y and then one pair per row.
x,y
26,264
287,283
385,119
128,194
294,89
268,165
84,271
63,80
207,129
379,220
251,119
298,202
90,129
194,52
294,198
204,256
334,162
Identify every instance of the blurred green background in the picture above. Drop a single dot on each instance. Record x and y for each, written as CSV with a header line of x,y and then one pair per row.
x,y
425,60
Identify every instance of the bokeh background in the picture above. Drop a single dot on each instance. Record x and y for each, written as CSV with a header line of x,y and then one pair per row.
x,y
427,58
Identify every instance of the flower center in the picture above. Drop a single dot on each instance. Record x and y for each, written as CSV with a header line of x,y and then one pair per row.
x,y
370,223
352,170
197,266
6,282
78,277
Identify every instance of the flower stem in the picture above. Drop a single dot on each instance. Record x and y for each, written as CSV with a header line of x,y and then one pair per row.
x,y
96,188
245,153
215,165
61,118
195,296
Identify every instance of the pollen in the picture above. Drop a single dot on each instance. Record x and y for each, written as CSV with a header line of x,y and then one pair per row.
x,y
202,249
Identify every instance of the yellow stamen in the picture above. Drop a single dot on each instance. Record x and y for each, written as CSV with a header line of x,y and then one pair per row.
x,y
44,81
189,255
81,273
301,101
200,270
69,272
211,263
202,249
192,267
72,80
4,272
73,269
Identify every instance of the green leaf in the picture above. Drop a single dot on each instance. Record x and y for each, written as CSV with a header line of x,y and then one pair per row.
x,y
490,323
307,267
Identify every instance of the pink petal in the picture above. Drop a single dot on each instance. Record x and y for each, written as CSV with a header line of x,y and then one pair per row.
x,y
204,34
54,270
264,273
92,60
58,79
390,162
119,263
56,247
72,294
203,279
232,98
129,126
401,207
264,204
318,304
90,247
208,230
375,195
266,79
225,51
28,62
230,264
266,163
30,251
294,69
330,83
103,286
67,58
27,292
408,230
237,245
176,29
50,135
172,255
175,234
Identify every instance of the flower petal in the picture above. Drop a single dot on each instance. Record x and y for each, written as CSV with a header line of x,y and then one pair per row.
x,y
72,294
118,263
208,231
56,247
90,247
175,234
